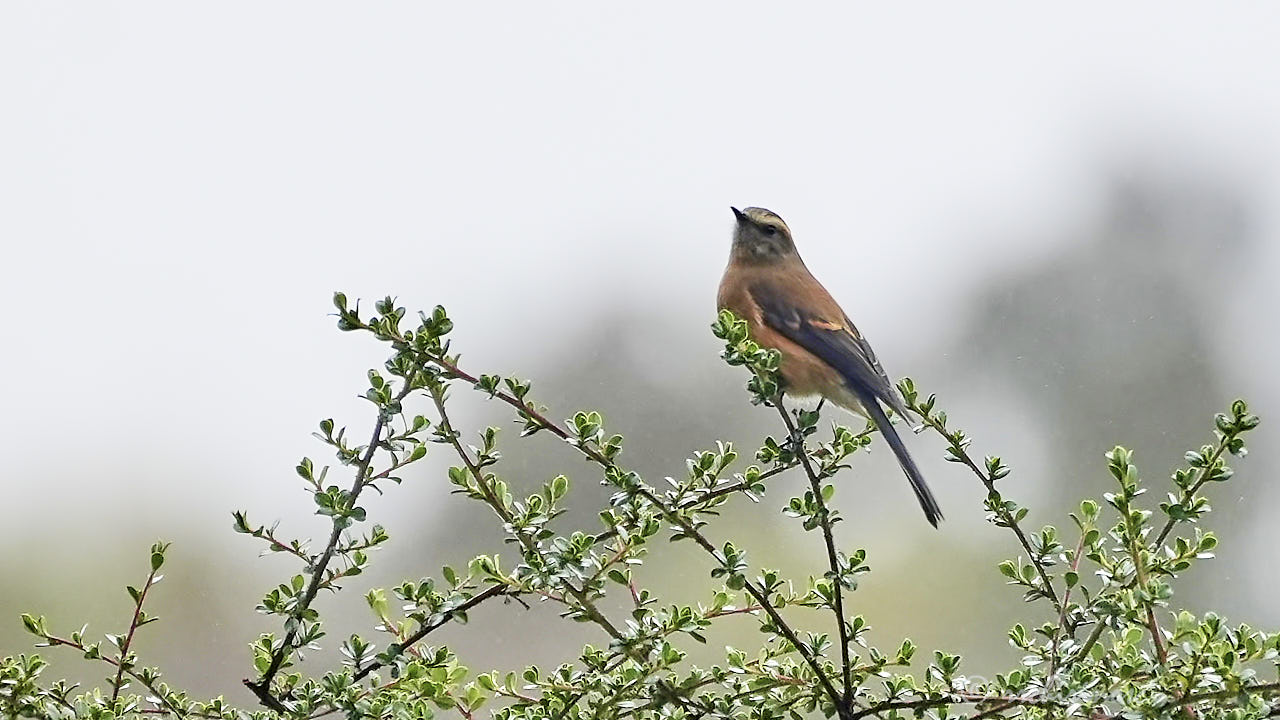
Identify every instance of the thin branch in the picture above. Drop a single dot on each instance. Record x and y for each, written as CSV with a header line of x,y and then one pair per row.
x,y
581,693
262,688
284,548
1006,702
730,698
703,498
760,597
55,640
265,697
1191,677
833,559
780,680
958,450
128,638
672,515
589,607
953,698
994,710
684,698
1140,575
1262,688
425,630
1088,643
1193,488
1062,611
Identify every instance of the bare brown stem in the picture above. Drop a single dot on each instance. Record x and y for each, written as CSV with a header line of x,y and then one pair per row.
x,y
128,638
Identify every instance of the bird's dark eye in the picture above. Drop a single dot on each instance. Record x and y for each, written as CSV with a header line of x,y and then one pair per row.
x,y
770,230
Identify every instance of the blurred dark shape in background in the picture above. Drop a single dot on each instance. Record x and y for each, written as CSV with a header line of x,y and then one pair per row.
x,y
1117,338
1118,327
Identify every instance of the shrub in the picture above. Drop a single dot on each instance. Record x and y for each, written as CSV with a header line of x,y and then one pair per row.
x,y
1113,649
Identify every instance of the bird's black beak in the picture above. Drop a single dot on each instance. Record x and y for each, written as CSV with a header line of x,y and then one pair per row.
x,y
738,214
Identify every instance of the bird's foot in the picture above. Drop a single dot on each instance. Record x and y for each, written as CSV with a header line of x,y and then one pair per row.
x,y
795,441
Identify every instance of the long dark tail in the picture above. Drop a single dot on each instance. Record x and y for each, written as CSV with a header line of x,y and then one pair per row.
x,y
890,433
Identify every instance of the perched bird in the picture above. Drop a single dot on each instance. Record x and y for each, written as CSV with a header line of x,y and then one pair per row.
x,y
823,354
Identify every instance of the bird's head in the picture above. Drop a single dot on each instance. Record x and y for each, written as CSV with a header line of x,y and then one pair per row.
x,y
760,236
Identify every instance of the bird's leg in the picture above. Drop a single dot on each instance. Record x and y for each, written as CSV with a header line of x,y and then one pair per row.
x,y
795,441
821,402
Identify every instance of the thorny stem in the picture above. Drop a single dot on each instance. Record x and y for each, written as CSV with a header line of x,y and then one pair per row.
x,y
824,520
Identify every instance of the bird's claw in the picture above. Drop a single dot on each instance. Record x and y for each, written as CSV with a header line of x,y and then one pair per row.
x,y
795,441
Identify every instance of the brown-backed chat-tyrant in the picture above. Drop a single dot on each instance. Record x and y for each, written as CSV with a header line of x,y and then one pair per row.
x,y
823,354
